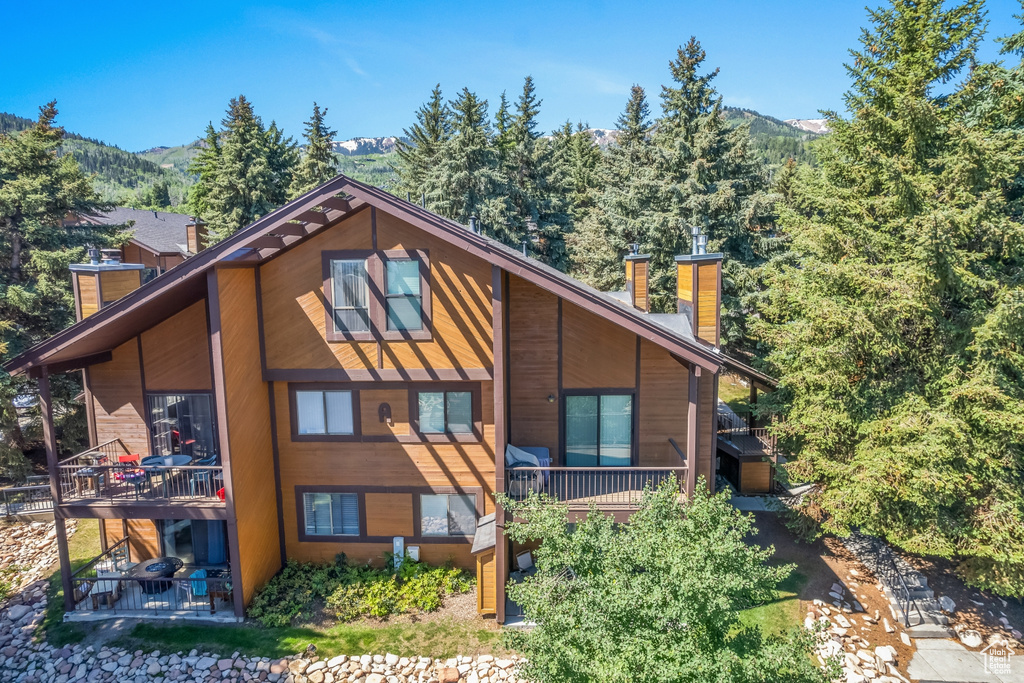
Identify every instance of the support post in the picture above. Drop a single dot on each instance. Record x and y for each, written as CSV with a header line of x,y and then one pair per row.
x,y
752,421
50,441
692,428
500,440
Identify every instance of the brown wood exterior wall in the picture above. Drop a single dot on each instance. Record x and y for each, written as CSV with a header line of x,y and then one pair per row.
x,y
707,301
88,293
596,353
177,352
114,284
118,402
533,366
248,429
133,253
662,406
143,535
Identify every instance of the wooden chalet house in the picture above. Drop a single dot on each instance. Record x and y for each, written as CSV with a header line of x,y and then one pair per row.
x,y
351,369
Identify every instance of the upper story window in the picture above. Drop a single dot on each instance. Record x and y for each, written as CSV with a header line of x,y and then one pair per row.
x,y
446,412
377,295
351,301
598,429
319,415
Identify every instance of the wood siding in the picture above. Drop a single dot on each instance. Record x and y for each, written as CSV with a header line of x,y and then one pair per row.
x,y
370,401
595,352
176,352
118,404
662,406
533,361
114,284
684,281
486,582
755,477
389,514
251,450
707,302
88,294
144,537
708,434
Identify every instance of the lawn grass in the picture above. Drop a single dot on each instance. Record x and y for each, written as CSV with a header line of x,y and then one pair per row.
x,y
783,613
734,394
83,546
442,638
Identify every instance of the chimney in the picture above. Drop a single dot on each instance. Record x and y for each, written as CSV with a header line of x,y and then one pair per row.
x,y
699,289
103,280
637,269
195,231
474,225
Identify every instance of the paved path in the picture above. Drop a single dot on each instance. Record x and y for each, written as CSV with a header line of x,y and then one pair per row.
x,y
947,660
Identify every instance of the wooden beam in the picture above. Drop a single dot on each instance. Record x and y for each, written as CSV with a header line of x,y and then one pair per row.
x,y
69,365
266,242
692,429
50,441
500,439
291,229
336,203
311,216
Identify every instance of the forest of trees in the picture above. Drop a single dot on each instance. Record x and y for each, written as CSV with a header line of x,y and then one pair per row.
x,y
875,270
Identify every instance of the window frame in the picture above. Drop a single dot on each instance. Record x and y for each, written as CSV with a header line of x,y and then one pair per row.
x,y
418,505
304,534
475,435
376,271
293,411
634,424
418,539
326,258
151,427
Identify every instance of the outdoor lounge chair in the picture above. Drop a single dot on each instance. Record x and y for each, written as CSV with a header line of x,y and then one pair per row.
x,y
106,590
521,483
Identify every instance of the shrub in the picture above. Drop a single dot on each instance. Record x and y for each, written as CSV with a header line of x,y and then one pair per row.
x,y
349,592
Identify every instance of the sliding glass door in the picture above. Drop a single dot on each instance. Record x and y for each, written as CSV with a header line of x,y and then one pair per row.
x,y
182,425
599,430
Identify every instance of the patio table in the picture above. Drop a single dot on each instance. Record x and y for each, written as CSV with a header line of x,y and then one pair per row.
x,y
85,479
155,464
149,572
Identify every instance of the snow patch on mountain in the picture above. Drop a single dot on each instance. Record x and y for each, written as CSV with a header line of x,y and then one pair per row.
x,y
819,126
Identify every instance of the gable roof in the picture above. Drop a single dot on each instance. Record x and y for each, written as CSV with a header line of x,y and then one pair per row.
x,y
315,211
161,232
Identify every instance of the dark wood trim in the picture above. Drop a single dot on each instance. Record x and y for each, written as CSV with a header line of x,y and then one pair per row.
x,y
560,457
259,322
129,510
313,229
78,296
386,375
293,412
90,408
425,333
692,428
220,399
71,365
373,227
361,491
271,397
373,284
634,454
499,323
99,293
476,436
634,437
50,442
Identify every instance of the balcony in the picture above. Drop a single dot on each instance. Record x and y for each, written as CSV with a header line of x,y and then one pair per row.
x,y
109,474
738,437
111,585
610,488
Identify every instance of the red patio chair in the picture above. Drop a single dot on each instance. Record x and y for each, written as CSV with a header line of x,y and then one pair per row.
x,y
131,475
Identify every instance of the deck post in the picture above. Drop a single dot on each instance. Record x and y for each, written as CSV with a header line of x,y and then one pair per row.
x,y
752,420
692,429
50,441
500,439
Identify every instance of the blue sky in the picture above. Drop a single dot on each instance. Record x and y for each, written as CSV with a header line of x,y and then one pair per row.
x,y
144,74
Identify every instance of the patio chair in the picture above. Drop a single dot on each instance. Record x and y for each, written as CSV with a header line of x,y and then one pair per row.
x,y
204,478
131,475
194,589
106,590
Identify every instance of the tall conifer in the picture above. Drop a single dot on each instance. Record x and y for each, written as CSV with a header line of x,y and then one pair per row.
x,y
318,163
418,153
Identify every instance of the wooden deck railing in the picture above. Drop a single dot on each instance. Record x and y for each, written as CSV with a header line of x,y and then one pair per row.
x,y
104,454
129,482
736,429
613,487
18,500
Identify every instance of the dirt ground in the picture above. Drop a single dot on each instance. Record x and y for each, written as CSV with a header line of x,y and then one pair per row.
x,y
827,561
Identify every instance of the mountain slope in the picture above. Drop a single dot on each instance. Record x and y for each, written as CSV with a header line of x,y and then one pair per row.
x,y
774,140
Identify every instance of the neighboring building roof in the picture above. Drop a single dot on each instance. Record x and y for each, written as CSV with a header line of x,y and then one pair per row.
x,y
159,231
297,221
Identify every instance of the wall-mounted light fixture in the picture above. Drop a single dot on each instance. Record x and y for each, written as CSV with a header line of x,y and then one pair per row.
x,y
551,398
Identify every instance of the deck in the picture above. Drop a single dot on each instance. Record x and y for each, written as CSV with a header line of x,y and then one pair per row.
x,y
609,488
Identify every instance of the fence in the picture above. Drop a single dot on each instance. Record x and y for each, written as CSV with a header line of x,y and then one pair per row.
x,y
579,486
128,482
19,500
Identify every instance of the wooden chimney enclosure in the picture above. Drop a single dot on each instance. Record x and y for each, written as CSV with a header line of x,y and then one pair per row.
x,y
638,281
699,293
96,286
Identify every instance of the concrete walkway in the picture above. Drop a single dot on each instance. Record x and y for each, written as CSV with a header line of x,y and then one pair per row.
x,y
947,660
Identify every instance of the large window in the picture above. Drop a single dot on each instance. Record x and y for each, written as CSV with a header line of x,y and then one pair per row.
x,y
351,295
404,299
195,541
447,515
598,430
182,424
331,514
326,413
442,412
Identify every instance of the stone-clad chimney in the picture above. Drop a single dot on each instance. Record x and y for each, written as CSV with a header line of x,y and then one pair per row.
x,y
103,280
637,280
699,289
195,231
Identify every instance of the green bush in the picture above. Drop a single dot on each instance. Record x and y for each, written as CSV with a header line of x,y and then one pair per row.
x,y
349,592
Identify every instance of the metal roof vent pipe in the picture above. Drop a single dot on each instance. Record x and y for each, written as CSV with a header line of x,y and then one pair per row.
x,y
94,256
700,241
474,225
112,257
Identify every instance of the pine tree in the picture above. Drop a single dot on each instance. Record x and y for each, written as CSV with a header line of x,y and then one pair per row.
x,y
204,167
433,128
502,127
39,189
282,160
464,179
319,164
250,167
536,193
578,159
898,333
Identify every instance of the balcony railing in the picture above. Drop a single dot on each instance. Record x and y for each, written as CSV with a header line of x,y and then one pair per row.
x,y
18,500
106,585
96,475
612,487
736,431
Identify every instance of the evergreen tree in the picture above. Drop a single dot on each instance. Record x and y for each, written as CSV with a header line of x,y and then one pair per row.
x,y
282,160
713,180
204,167
464,178
38,190
502,127
536,193
578,159
251,165
433,128
319,164
898,333
630,206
